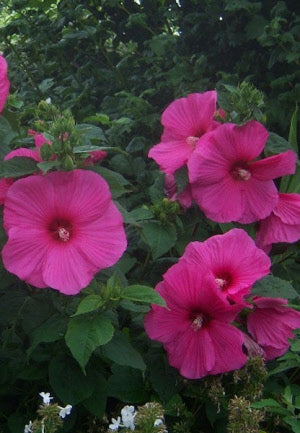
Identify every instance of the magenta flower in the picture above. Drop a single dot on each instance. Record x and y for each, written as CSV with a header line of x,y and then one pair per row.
x,y
228,183
283,225
195,328
62,229
185,120
233,259
271,324
4,82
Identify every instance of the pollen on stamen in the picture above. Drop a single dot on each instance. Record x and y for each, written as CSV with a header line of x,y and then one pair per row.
x,y
243,174
197,322
63,234
191,141
221,283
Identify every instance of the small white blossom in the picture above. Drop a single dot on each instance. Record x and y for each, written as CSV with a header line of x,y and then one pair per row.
x,y
115,423
48,101
27,428
158,422
128,414
64,411
46,397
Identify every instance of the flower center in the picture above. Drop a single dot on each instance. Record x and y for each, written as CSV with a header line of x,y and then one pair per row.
x,y
191,141
240,171
223,281
198,320
61,230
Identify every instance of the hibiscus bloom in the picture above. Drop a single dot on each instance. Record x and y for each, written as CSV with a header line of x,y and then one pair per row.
x,y
271,324
4,83
185,120
62,229
195,328
283,225
228,183
233,259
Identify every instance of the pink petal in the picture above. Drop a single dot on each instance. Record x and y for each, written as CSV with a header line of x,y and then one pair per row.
x,y
170,156
4,186
273,230
103,241
190,116
192,353
227,343
288,208
24,254
221,202
23,152
259,199
274,166
4,83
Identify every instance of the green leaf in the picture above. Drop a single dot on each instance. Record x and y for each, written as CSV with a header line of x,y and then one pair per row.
x,y
293,131
85,334
52,330
276,144
88,304
68,381
127,384
96,403
120,350
142,294
7,134
291,183
274,287
115,180
89,148
18,166
268,402
48,165
294,423
90,132
160,238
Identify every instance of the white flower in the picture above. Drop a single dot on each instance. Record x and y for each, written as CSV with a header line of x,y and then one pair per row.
x,y
46,397
27,428
64,411
115,423
158,422
128,414
48,101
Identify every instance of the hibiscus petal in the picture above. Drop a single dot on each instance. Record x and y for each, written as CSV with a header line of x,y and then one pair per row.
x,y
288,208
274,166
170,156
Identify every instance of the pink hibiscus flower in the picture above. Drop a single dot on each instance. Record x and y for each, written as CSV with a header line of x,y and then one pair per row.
x,y
228,183
233,259
185,120
195,328
4,82
271,324
283,225
62,229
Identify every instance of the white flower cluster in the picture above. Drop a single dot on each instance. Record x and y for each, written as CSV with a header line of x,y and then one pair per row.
x,y
127,413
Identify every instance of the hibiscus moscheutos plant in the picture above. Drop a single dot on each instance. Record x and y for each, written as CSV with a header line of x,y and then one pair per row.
x,y
196,328
185,121
62,229
283,225
4,83
228,182
233,259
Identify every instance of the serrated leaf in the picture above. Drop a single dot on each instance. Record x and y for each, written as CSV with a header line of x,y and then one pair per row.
x,y
274,287
85,334
268,402
142,294
18,166
88,304
159,238
120,350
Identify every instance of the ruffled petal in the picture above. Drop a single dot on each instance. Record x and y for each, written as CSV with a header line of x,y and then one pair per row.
x,y
4,83
273,230
170,156
24,152
288,208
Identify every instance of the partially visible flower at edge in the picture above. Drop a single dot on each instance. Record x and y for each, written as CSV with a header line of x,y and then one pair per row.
x,y
271,324
4,83
27,428
283,225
